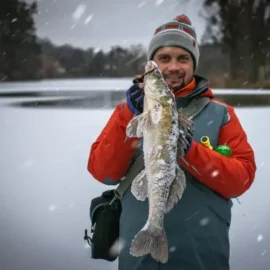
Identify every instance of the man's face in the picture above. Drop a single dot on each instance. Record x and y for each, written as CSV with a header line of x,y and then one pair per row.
x,y
176,65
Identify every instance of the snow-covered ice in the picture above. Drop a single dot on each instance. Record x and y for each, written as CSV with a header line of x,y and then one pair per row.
x,y
46,189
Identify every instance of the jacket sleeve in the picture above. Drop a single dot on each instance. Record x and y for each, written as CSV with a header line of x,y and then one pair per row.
x,y
228,176
112,152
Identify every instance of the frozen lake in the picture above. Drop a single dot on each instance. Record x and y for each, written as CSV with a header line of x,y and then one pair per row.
x,y
46,188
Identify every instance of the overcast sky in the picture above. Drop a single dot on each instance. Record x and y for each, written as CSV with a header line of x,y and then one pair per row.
x,y
103,23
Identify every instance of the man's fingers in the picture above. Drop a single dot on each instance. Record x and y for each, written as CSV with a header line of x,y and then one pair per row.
x,y
141,85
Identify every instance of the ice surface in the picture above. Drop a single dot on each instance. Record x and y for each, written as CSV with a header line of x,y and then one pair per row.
x,y
43,167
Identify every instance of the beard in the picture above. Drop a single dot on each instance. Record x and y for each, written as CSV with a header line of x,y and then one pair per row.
x,y
175,86
178,86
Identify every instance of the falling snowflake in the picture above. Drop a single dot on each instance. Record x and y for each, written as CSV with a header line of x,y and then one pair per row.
x,y
261,165
141,4
159,2
117,247
27,164
204,221
264,252
259,238
79,12
52,207
88,19
172,249
97,49
210,123
215,173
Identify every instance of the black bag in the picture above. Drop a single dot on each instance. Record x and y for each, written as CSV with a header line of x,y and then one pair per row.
x,y
105,214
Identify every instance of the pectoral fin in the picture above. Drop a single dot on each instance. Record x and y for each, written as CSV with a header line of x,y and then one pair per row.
x,y
137,126
139,186
177,189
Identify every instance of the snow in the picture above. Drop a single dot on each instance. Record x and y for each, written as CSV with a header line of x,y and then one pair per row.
x,y
117,247
141,4
46,189
52,207
172,249
79,11
259,238
204,221
159,2
215,173
88,19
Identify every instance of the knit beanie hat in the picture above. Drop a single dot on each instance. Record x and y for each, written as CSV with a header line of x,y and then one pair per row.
x,y
177,32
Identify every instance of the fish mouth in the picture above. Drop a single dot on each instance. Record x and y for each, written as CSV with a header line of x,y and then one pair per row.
x,y
150,67
149,71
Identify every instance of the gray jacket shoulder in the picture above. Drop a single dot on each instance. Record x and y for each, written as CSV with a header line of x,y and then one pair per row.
x,y
221,109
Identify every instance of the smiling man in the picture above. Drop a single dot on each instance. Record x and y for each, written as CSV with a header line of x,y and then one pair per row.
x,y
198,226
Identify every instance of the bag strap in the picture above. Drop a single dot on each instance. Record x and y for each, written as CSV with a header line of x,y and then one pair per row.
x,y
133,171
195,106
192,110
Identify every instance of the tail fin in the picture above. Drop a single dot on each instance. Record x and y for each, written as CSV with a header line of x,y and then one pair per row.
x,y
150,241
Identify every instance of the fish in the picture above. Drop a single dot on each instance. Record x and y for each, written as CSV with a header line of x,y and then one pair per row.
x,y
162,180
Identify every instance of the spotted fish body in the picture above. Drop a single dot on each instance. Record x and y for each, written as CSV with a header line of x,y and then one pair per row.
x,y
162,181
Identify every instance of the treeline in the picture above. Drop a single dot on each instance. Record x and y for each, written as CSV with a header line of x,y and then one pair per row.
x,y
19,48
243,29
235,49
67,61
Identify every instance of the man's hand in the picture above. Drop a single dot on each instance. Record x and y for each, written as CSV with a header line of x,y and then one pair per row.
x,y
135,96
186,132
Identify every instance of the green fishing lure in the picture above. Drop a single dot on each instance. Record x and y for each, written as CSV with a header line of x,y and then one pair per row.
x,y
224,150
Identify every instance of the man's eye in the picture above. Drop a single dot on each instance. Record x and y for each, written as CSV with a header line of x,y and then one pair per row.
x,y
184,58
164,58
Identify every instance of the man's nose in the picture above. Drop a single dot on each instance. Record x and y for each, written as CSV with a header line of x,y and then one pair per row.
x,y
173,66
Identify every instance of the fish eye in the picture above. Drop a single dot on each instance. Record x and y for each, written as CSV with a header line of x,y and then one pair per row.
x,y
157,72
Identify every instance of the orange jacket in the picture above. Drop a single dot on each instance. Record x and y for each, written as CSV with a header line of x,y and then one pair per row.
x,y
111,153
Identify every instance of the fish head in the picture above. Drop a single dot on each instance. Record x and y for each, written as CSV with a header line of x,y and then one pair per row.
x,y
155,85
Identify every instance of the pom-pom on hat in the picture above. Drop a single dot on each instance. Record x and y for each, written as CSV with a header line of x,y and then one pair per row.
x,y
178,32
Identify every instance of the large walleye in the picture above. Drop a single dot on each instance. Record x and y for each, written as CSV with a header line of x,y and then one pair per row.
x,y
162,180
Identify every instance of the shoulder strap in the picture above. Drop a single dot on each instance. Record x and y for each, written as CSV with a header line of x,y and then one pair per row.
x,y
192,109
195,106
134,169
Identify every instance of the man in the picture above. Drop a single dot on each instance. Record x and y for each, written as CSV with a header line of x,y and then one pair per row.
x,y
197,227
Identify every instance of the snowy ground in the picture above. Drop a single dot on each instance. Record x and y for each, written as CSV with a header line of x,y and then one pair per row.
x,y
46,190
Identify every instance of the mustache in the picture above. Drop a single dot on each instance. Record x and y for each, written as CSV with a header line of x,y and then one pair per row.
x,y
168,75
